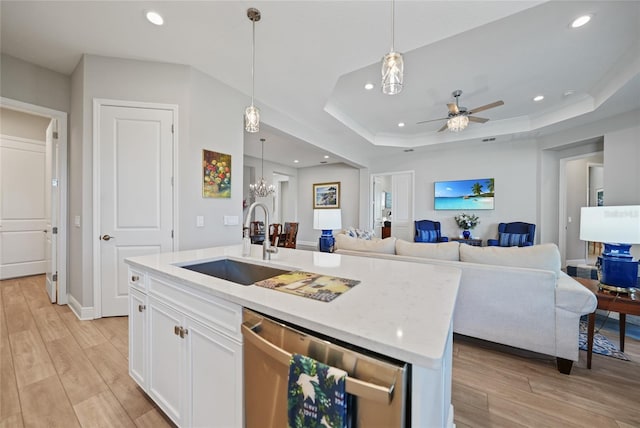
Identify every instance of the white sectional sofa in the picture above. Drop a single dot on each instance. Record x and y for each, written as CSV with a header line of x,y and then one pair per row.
x,y
515,296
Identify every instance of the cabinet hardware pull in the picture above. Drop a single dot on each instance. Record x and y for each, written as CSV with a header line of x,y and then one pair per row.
x,y
183,332
142,308
107,237
176,330
135,278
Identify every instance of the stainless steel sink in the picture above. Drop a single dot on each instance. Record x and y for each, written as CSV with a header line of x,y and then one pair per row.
x,y
236,271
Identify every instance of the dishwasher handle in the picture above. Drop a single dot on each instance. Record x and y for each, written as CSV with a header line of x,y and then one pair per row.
x,y
353,386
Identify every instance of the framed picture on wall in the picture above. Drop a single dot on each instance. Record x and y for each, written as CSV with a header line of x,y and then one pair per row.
x,y
326,195
216,174
475,194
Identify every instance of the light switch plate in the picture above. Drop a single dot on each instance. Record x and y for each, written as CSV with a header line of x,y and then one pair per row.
x,y
199,221
231,220
76,221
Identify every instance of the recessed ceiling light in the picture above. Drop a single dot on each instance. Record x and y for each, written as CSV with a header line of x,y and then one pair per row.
x,y
580,21
538,98
368,86
296,161
401,125
155,18
326,156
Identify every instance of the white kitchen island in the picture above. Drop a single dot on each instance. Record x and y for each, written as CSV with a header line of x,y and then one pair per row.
x,y
181,320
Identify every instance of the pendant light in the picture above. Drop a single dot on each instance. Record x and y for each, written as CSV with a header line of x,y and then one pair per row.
x,y
252,113
261,189
392,64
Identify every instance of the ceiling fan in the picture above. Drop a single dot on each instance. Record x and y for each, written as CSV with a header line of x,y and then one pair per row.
x,y
459,117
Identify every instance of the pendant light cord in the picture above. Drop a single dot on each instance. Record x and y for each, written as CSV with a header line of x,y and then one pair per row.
x,y
253,59
262,140
393,29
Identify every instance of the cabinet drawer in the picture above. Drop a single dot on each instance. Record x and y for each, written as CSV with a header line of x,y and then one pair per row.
x,y
215,313
138,279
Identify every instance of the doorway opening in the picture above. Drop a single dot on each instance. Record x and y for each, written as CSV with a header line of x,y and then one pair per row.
x,y
50,236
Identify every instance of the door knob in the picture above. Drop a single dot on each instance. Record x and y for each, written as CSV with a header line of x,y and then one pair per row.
x,y
107,237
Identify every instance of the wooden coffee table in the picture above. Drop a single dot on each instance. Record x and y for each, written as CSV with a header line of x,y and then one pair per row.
x,y
609,301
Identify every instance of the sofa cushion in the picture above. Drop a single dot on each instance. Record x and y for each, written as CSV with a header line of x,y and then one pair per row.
x,y
513,239
440,251
375,245
543,256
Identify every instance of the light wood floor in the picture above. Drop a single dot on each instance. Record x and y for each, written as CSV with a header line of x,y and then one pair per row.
x,y
58,371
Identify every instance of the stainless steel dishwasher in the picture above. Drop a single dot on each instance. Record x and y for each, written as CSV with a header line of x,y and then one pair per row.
x,y
376,388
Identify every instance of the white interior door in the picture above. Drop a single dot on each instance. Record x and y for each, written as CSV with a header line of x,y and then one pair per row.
x,y
135,147
22,207
51,210
402,206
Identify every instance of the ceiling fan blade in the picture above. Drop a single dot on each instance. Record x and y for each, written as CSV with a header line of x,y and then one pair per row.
x,y
477,119
432,120
453,108
486,107
443,128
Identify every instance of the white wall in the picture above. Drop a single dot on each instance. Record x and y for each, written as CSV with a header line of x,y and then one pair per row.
x,y
209,116
215,122
32,84
511,164
622,169
349,179
622,166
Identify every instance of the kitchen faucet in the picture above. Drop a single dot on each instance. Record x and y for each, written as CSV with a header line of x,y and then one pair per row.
x,y
267,250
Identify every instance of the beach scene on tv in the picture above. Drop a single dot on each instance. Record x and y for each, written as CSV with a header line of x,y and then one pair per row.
x,y
464,194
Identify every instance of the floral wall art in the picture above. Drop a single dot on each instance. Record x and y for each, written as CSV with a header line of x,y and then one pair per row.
x,y
216,174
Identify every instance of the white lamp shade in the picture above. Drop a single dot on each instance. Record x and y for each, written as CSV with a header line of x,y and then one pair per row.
x,y
327,219
614,225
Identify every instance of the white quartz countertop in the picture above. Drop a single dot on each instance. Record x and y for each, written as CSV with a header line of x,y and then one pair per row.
x,y
399,309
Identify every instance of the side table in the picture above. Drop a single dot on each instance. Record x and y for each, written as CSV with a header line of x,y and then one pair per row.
x,y
470,241
609,301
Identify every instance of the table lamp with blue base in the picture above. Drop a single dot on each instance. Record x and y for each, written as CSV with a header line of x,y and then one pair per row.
x,y
327,220
618,227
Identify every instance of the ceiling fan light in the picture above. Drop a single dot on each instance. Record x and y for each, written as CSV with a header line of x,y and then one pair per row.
x,y
252,119
392,73
457,123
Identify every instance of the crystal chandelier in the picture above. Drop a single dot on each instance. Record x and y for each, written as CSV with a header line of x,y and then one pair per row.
x,y
252,113
260,188
392,64
457,123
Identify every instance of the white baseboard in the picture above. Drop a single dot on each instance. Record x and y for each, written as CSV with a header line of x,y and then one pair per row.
x,y
83,313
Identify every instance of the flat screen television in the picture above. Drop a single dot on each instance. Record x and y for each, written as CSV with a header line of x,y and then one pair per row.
x,y
476,194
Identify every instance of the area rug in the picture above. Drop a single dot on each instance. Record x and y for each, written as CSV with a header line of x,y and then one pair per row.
x,y
601,345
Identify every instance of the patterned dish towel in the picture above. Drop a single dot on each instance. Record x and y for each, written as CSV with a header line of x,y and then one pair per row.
x,y
316,396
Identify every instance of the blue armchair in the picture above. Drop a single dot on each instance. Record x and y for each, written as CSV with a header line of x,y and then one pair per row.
x,y
428,231
516,234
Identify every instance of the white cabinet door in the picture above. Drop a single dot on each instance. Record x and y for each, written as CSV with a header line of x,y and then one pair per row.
x,y
138,337
166,359
214,378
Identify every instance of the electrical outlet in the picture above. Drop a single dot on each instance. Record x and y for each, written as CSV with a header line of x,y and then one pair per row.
x,y
76,221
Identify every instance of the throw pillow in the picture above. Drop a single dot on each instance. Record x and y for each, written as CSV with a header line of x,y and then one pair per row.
x,y
427,235
440,251
513,239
